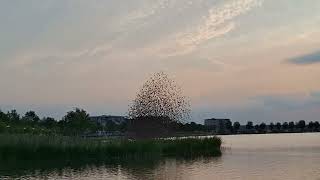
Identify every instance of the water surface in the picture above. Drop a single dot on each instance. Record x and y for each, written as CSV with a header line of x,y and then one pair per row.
x,y
261,157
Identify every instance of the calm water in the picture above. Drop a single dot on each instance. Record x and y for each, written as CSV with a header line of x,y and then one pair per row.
x,y
272,156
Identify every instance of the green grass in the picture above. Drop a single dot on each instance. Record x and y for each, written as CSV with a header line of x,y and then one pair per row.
x,y
56,148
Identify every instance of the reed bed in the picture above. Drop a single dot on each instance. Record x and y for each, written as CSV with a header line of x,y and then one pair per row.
x,y
35,147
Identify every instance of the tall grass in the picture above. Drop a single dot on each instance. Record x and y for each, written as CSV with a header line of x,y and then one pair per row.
x,y
33,147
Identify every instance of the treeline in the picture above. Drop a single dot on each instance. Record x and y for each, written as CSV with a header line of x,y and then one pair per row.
x,y
250,128
300,126
76,122
189,127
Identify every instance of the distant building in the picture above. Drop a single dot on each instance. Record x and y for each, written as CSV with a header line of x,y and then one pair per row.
x,y
218,125
104,119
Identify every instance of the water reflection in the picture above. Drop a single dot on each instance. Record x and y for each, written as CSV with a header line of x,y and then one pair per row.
x,y
280,156
133,169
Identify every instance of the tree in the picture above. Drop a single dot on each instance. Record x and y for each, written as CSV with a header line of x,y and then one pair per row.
x,y
301,124
236,126
311,125
285,125
291,125
249,125
229,126
193,126
49,122
31,116
3,117
262,126
256,127
2,126
76,122
316,125
160,97
271,126
13,116
278,126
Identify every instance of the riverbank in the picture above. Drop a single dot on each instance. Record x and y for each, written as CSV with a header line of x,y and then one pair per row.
x,y
37,147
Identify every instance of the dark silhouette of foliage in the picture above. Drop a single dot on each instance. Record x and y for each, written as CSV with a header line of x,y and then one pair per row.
x,y
316,125
301,124
31,116
271,126
285,125
262,126
236,126
3,117
76,122
311,125
257,127
278,126
13,116
160,97
291,125
229,126
249,125
49,122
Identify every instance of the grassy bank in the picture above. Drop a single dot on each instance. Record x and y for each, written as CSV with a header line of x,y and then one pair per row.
x,y
32,147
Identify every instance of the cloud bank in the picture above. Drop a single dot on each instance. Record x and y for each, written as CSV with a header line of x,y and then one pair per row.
x,y
306,59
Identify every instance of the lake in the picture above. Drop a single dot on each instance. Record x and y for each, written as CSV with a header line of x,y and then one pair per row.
x,y
264,156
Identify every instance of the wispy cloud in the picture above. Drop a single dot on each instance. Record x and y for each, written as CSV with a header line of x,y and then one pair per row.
x,y
218,22
305,59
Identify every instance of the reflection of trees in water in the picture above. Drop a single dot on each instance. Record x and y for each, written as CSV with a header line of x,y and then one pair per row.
x,y
63,170
180,168
127,169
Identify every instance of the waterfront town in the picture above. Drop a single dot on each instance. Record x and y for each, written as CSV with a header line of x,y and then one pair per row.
x,y
214,126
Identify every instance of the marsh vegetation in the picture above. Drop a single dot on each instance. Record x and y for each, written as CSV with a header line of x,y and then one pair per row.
x,y
35,147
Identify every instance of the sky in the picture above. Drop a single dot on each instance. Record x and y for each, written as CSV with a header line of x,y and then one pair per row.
x,y
248,60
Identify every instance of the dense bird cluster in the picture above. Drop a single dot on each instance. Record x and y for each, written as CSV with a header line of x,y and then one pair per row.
x,y
160,96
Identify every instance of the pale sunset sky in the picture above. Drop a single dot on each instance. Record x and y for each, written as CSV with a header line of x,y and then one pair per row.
x,y
256,60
